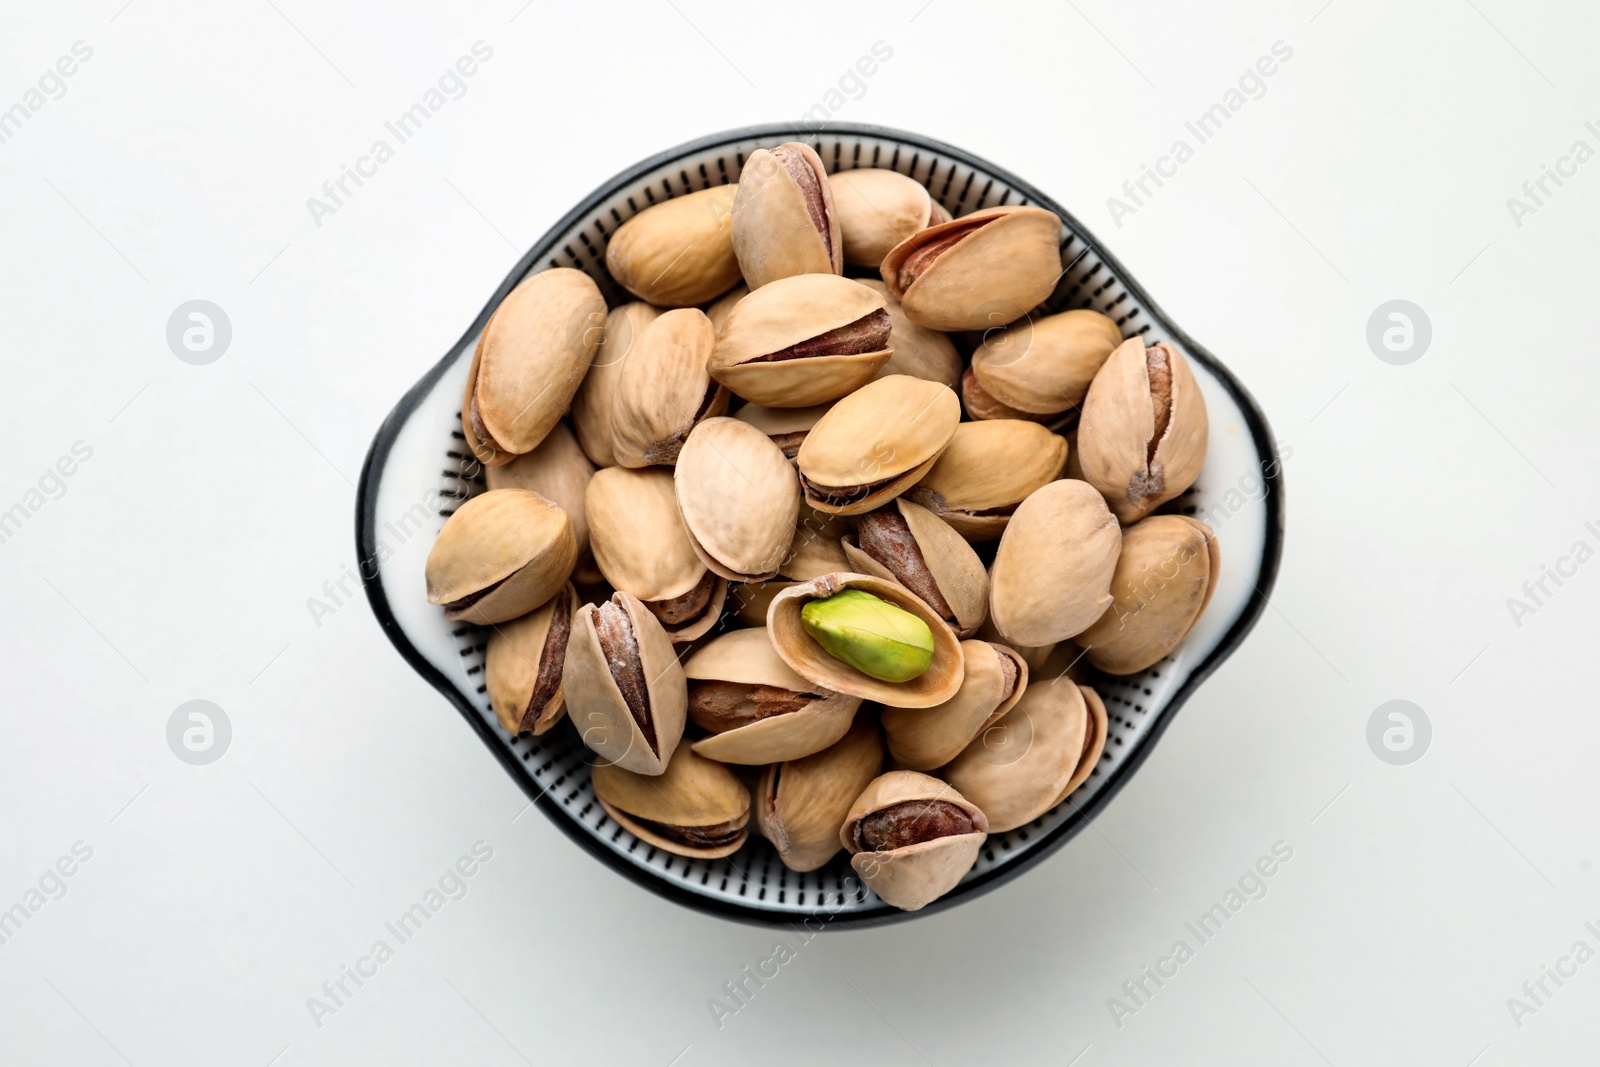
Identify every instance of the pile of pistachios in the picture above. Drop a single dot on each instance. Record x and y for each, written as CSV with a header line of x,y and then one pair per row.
x,y
829,531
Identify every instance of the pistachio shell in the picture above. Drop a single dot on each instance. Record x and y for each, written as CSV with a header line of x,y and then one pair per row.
x,y
925,738
1142,436
679,252
815,549
717,310
821,312
995,266
664,389
693,793
591,407
558,471
530,358
877,209
752,601
876,443
606,719
987,471
1035,656
801,804
941,559
524,653
801,651
502,554
747,657
1045,365
783,222
738,498
1164,578
912,876
787,427
917,350
1051,577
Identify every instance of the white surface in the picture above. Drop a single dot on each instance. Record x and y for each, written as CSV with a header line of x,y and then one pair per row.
x,y
178,562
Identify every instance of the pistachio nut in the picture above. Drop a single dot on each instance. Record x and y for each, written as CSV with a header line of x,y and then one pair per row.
x,y
906,543
717,311
591,407
756,709
980,405
787,427
921,739
801,651
917,350
911,838
531,356
679,252
1035,656
877,209
502,554
641,547
1163,580
802,340
738,497
1033,756
695,808
801,804
876,443
875,637
1051,576
557,470
985,474
978,271
1044,366
751,602
816,548
664,389
623,684
523,664
783,221
1143,431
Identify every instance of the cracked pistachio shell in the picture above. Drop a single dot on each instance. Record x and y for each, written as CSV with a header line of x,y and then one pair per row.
x,y
1044,366
801,804
1051,576
747,657
530,359
783,220
595,702
877,209
947,561
876,443
989,469
664,389
679,252
558,471
1143,431
505,551
787,427
1164,579
913,876
783,314
751,602
979,271
1030,759
693,793
815,549
738,497
591,407
523,653
808,659
925,738
917,350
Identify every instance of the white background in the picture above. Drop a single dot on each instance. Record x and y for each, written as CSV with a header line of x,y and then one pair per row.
x,y
179,561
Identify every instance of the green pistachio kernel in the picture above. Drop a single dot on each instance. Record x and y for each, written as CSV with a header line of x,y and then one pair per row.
x,y
877,638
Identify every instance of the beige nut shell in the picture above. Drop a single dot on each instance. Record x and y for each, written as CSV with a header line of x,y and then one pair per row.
x,y
596,706
679,252
1051,576
916,350
877,209
591,406
1006,263
738,498
511,536
557,470
912,877
692,791
801,804
1045,365
953,564
664,389
512,662
773,234
989,468
923,739
887,434
1164,578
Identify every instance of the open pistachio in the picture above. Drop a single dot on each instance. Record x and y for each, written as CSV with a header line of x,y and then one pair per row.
x,y
1163,580
783,221
787,427
801,649
531,356
696,807
558,471
907,543
875,637
642,548
921,739
1043,366
877,209
918,351
802,340
502,554
679,252
623,684
756,709
911,838
801,804
591,406
876,443
816,548
988,470
1142,436
978,271
1051,576
523,665
664,389
738,498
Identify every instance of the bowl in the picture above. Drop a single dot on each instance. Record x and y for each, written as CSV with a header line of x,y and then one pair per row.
x,y
419,470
